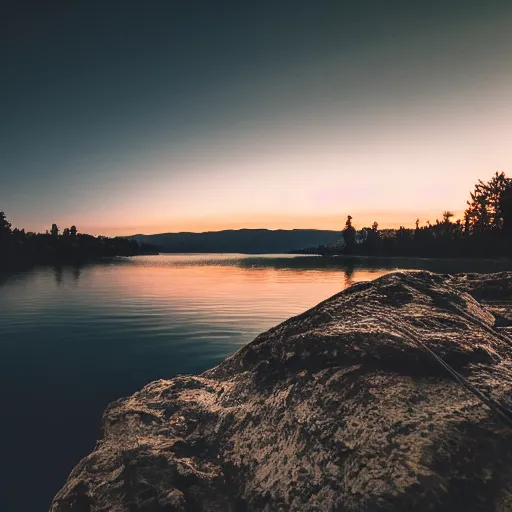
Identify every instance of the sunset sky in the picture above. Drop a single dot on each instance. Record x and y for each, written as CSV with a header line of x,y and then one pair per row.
x,y
145,117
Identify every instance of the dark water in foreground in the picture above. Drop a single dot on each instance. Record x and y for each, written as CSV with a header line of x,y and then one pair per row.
x,y
74,339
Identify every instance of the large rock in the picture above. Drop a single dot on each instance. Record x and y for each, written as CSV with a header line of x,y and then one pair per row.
x,y
395,394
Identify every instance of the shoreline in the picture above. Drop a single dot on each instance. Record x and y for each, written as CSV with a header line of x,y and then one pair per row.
x,y
343,396
421,258
501,259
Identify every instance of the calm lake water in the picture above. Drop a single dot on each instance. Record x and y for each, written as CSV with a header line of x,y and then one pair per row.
x,y
74,339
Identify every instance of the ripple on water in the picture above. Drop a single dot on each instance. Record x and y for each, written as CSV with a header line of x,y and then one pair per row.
x,y
74,339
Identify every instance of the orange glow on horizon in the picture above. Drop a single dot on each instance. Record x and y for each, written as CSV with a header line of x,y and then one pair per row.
x,y
386,220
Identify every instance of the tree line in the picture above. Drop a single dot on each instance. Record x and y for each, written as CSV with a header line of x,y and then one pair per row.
x,y
485,230
19,248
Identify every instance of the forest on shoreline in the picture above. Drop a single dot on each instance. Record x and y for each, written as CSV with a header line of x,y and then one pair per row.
x,y
19,249
485,230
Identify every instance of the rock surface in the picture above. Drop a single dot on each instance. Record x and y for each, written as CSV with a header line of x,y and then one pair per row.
x,y
395,394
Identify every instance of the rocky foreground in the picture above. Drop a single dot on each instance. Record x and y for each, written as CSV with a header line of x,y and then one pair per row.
x,y
395,394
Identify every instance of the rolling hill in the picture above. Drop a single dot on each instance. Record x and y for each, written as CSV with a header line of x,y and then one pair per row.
x,y
249,241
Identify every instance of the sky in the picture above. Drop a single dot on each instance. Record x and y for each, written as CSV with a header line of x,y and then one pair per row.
x,y
148,117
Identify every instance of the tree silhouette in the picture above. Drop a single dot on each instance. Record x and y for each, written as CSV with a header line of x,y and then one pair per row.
x,y
349,234
484,231
489,204
447,215
5,227
55,231
19,249
506,210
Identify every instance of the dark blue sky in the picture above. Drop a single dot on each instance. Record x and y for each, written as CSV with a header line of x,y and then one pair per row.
x,y
147,116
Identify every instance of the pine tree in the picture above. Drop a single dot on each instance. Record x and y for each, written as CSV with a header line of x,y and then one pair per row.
x,y
349,234
489,207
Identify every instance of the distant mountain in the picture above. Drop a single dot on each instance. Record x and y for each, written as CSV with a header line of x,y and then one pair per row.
x,y
249,241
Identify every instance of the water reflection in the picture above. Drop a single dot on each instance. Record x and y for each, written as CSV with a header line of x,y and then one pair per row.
x,y
68,273
3,278
57,272
72,339
300,262
76,273
349,273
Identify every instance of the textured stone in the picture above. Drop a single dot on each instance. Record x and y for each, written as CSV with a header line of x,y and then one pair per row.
x,y
395,394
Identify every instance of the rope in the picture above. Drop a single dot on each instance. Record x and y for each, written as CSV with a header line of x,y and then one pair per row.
x,y
501,412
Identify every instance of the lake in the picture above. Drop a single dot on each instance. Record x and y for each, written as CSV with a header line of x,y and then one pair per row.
x,y
73,339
